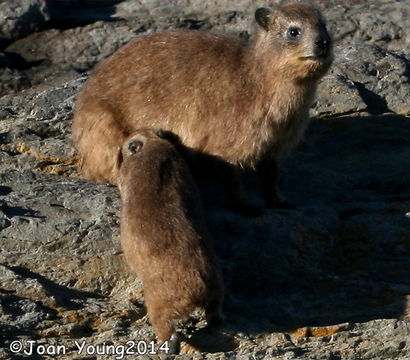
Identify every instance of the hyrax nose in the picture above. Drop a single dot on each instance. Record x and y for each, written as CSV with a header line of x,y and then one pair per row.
x,y
322,43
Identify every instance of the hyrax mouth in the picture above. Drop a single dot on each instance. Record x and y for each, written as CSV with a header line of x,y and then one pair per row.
x,y
321,57
322,53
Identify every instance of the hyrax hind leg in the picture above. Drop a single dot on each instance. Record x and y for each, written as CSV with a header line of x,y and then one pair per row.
x,y
164,326
213,313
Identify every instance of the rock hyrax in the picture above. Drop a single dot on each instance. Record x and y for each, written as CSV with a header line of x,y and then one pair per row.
x,y
164,234
247,104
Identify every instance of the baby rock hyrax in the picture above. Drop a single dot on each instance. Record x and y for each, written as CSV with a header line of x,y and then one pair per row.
x,y
245,104
164,234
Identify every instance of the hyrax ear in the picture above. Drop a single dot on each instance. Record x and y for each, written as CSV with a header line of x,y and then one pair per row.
x,y
263,17
163,134
170,136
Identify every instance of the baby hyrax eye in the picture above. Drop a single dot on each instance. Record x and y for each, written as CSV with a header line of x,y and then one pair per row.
x,y
293,33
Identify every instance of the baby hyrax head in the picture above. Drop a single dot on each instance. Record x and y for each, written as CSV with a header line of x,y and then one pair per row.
x,y
145,141
295,33
142,151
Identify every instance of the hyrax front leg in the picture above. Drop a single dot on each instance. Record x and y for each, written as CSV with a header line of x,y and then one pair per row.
x,y
268,172
231,177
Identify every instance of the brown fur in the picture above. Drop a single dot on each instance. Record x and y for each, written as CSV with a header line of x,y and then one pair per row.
x,y
164,235
245,104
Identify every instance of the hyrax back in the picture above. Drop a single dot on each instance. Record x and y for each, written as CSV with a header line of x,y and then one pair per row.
x,y
164,234
246,104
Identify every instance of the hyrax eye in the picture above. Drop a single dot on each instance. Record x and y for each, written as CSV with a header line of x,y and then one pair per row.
x,y
134,146
293,33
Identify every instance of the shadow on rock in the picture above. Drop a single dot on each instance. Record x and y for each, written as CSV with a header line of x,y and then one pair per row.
x,y
5,190
214,340
75,13
343,255
63,296
15,306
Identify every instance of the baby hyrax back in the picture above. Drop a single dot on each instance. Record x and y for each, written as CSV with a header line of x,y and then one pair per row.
x,y
164,235
246,104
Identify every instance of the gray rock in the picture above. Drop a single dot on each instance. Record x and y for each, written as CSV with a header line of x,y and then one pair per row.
x,y
366,78
56,102
382,78
385,28
21,17
12,80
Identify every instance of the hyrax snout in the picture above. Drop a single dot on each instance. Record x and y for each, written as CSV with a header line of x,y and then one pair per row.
x,y
164,234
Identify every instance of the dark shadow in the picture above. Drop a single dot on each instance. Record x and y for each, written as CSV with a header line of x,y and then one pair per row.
x,y
212,341
375,103
3,137
5,190
10,332
194,24
64,296
343,254
74,13
12,211
66,14
22,67
17,62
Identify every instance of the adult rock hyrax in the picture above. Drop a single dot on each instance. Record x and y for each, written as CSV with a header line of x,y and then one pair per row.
x,y
244,103
164,234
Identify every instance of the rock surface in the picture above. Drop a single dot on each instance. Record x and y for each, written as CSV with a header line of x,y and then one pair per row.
x,y
329,280
20,18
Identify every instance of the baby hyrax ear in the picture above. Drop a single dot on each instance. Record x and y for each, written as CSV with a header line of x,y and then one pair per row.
x,y
263,17
170,136
133,145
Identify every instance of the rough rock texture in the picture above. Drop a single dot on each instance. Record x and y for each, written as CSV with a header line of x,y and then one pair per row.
x,y
366,78
329,280
20,18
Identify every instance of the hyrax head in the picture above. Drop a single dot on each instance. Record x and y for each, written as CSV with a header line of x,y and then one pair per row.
x,y
296,33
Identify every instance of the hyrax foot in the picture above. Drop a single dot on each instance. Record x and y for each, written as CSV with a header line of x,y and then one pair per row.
x,y
174,344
